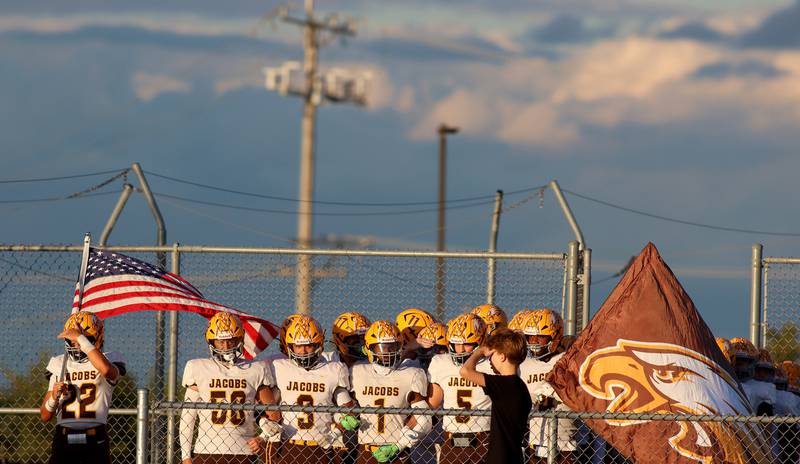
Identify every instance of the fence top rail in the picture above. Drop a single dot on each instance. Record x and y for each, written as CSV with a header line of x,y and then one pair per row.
x,y
780,260
113,412
165,406
295,251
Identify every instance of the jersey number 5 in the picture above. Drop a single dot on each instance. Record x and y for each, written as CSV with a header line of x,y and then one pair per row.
x,y
219,417
307,422
463,398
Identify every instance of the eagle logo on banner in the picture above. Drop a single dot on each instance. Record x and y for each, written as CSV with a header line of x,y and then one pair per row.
x,y
662,378
648,351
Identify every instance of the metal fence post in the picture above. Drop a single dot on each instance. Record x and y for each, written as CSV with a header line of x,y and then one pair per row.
x,y
491,262
756,266
572,287
172,367
142,423
587,285
552,438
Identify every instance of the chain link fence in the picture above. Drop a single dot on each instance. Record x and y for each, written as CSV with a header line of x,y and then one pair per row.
x,y
37,282
459,436
780,324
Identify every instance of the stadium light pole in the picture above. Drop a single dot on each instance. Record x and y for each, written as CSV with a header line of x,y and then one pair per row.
x,y
443,130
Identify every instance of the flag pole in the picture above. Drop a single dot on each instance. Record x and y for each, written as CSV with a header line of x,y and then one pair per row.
x,y
87,241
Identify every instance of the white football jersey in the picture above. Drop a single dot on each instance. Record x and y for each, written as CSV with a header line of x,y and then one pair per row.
x,y
316,386
786,403
759,392
460,394
533,373
382,387
89,404
226,431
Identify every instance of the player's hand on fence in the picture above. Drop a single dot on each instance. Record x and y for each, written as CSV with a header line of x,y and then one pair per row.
x,y
349,422
385,453
269,428
257,445
60,392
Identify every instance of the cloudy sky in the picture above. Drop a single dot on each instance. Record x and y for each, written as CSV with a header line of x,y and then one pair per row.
x,y
685,109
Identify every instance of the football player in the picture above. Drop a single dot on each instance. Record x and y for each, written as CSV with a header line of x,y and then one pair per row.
x,y
492,315
387,382
466,438
348,337
81,399
760,394
226,436
543,330
307,378
410,322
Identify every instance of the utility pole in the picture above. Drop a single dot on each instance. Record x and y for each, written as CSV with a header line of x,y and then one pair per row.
x,y
443,132
335,86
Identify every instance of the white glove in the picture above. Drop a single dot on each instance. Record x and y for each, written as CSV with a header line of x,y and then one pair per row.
x,y
269,428
409,438
330,438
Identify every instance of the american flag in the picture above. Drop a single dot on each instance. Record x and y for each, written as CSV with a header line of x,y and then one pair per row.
x,y
117,284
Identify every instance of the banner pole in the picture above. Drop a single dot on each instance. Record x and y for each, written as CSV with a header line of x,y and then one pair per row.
x,y
87,241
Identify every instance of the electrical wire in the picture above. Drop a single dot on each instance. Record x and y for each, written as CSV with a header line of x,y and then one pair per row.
x,y
682,221
279,211
44,200
333,203
48,179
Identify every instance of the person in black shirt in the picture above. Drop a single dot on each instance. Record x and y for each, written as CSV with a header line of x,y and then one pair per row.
x,y
511,402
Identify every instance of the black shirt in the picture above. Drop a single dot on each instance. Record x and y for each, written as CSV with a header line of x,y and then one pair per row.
x,y
511,405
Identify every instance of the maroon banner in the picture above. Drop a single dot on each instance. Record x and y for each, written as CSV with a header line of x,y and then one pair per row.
x,y
648,351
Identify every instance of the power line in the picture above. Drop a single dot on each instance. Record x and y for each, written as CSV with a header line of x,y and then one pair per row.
x,y
45,200
333,203
682,221
281,211
48,179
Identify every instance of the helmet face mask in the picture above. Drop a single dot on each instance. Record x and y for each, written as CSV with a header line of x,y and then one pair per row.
x,y
539,346
386,354
460,352
354,345
227,352
304,358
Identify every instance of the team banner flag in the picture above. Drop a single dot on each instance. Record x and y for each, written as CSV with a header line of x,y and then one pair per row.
x,y
648,351
117,284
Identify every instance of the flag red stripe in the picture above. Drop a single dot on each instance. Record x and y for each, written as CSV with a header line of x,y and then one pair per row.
x,y
123,295
112,285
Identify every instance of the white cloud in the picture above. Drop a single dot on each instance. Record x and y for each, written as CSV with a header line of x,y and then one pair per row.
x,y
149,86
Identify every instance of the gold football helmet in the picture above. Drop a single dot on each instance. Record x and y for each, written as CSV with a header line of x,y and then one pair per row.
x,y
411,321
492,315
466,329
765,368
792,376
90,326
543,329
725,346
348,334
745,355
282,332
518,320
225,326
304,340
384,344
435,333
